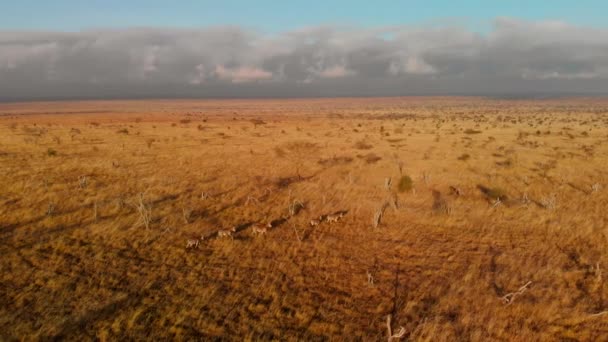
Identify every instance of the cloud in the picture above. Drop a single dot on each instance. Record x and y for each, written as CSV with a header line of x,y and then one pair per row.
x,y
412,65
514,56
335,72
242,74
199,75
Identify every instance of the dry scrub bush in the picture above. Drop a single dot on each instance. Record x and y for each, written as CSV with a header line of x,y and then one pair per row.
x,y
371,158
399,334
362,145
405,184
464,157
297,152
144,211
379,213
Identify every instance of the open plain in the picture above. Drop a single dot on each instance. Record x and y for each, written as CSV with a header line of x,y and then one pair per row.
x,y
306,219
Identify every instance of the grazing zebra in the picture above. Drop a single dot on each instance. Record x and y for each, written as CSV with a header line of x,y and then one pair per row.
x,y
227,233
316,222
334,217
261,229
192,243
370,278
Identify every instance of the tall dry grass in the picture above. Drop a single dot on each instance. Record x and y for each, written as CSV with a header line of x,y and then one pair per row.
x,y
506,244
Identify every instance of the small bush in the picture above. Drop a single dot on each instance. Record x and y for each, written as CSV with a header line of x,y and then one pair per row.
x,y
505,163
362,145
280,152
464,157
257,122
471,131
123,131
335,160
51,152
284,182
371,158
300,146
405,183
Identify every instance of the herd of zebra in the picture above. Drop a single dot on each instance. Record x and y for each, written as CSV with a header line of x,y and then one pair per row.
x,y
261,229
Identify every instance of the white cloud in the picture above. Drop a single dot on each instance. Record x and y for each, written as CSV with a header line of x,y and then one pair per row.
x,y
199,76
336,71
242,74
410,65
514,53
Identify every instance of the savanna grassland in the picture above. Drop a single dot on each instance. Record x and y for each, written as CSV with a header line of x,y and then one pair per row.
x,y
458,218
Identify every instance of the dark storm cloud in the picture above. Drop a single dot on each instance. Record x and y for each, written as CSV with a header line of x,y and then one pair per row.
x,y
514,57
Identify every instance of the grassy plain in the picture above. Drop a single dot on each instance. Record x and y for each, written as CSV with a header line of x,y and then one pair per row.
x,y
486,196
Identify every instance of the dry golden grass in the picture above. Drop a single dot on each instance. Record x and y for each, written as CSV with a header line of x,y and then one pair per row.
x,y
99,199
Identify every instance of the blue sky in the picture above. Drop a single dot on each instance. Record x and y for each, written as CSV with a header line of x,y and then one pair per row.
x,y
282,15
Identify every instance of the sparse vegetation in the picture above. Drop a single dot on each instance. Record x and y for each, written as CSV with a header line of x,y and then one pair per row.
x,y
371,158
362,145
297,152
405,184
257,122
171,230
464,157
335,160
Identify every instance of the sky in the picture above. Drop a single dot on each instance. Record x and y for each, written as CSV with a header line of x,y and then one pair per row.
x,y
279,16
229,48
